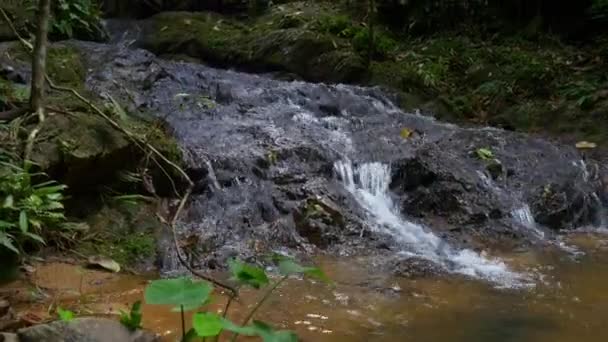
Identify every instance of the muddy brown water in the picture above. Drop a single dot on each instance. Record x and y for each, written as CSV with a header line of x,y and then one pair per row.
x,y
569,302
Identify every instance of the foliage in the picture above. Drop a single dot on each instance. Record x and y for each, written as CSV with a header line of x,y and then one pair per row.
x,y
132,320
188,294
247,274
65,315
29,210
73,16
13,93
583,92
384,45
340,25
184,293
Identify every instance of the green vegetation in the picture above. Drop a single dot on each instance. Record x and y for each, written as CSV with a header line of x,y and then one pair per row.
x,y
31,210
81,18
132,319
186,294
65,315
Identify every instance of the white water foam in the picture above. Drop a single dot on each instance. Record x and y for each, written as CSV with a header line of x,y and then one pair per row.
x,y
524,217
369,183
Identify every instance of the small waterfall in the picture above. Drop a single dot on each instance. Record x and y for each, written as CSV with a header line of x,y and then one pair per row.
x,y
523,216
369,183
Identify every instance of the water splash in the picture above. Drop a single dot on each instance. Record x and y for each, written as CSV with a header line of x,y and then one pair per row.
x,y
369,183
524,216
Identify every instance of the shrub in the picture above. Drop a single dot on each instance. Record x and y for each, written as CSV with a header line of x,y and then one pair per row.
x,y
383,44
28,210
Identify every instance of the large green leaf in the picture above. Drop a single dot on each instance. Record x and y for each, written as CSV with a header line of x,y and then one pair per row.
x,y
288,266
268,334
182,292
207,324
247,274
23,222
261,329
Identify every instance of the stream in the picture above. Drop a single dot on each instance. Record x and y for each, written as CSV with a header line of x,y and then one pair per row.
x,y
568,304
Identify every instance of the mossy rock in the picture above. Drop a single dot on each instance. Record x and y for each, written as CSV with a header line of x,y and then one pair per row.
x,y
263,45
64,63
126,233
82,150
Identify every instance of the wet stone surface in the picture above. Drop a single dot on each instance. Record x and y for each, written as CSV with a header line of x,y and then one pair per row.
x,y
263,151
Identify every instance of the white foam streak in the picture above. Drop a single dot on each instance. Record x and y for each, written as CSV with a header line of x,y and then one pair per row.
x,y
369,183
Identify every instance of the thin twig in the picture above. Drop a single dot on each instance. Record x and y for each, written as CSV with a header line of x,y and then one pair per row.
x,y
32,136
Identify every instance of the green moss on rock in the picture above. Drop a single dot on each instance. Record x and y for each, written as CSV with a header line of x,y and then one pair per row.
x,y
126,234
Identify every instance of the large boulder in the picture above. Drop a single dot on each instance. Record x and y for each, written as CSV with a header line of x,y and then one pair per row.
x,y
473,176
273,42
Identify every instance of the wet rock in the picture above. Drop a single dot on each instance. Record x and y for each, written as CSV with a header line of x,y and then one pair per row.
x,y
415,268
84,330
264,153
319,221
447,179
262,47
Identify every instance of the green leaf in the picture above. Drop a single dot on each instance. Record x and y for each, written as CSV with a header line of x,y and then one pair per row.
x,y
65,315
179,291
4,225
8,202
247,274
484,154
7,241
191,336
261,329
48,190
207,324
35,237
132,320
246,330
23,222
288,266
268,334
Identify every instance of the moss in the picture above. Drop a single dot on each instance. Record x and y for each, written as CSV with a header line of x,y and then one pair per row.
x,y
127,234
65,66
285,39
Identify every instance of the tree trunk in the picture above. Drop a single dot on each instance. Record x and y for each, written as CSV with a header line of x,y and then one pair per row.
x,y
39,57
371,15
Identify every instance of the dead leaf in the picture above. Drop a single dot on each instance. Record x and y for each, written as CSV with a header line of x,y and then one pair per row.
x,y
406,133
105,263
585,145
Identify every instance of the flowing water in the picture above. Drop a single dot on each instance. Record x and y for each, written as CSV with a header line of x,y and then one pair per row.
x,y
570,304
369,183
